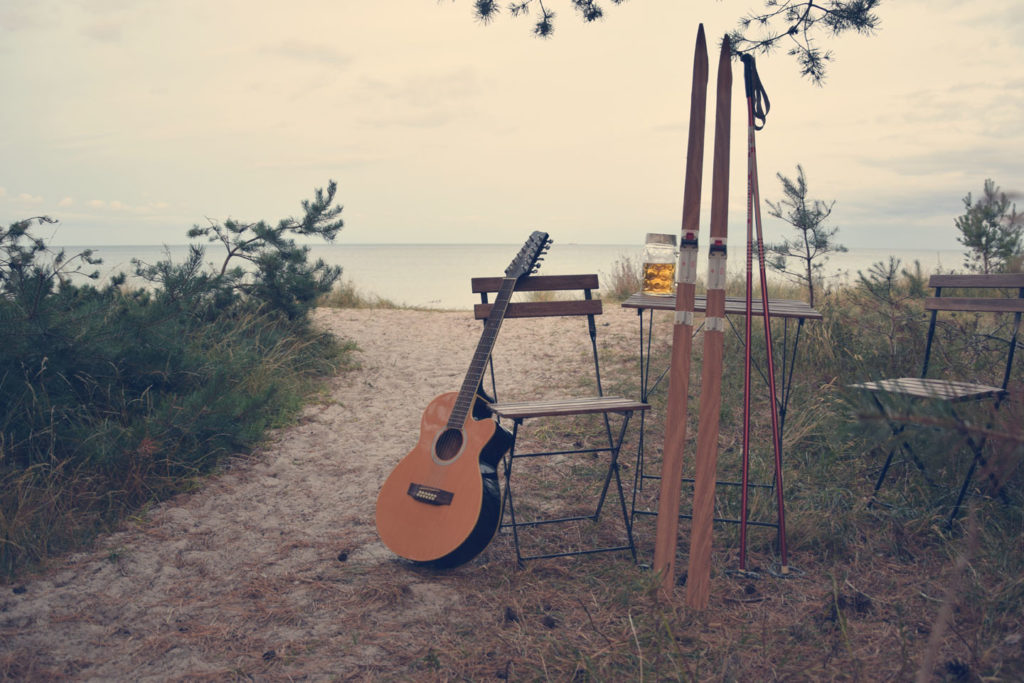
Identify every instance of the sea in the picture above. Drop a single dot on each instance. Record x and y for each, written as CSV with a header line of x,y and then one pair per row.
x,y
437,275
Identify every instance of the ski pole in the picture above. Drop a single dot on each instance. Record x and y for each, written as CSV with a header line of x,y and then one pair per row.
x,y
757,109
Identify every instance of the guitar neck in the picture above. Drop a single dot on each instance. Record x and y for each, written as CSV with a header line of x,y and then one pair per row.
x,y
464,402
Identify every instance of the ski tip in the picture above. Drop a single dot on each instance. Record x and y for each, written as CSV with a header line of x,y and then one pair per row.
x,y
725,61
700,51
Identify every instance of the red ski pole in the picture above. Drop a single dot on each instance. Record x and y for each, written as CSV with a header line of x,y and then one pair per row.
x,y
748,320
755,93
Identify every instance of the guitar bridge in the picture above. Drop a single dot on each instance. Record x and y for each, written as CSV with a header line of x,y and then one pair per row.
x,y
430,495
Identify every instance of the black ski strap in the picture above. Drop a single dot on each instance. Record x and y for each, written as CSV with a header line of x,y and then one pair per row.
x,y
755,91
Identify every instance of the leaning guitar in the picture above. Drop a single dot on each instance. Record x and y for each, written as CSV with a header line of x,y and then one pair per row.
x,y
441,504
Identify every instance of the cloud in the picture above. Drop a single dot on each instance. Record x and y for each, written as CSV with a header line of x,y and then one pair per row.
x,y
21,18
3,191
116,205
113,204
422,101
66,202
29,198
424,119
428,89
980,158
324,55
104,32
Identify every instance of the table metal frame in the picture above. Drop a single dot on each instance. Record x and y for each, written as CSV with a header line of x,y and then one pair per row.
x,y
785,309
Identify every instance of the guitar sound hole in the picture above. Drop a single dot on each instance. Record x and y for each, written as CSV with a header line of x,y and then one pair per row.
x,y
448,444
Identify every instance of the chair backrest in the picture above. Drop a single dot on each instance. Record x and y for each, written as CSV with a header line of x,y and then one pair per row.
x,y
993,299
581,286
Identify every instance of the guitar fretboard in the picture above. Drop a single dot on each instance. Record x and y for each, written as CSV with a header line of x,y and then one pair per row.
x,y
464,402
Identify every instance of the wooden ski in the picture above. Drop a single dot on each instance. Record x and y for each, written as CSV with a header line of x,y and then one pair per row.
x,y
699,573
666,538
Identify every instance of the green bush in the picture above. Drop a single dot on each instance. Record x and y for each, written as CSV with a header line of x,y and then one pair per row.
x,y
113,397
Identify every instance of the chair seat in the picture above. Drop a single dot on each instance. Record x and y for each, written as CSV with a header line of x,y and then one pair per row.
x,y
519,410
940,389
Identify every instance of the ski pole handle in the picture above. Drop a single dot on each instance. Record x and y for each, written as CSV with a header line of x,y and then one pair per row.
x,y
755,91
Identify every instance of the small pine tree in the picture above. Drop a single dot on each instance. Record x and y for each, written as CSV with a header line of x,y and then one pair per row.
x,y
991,230
276,270
814,241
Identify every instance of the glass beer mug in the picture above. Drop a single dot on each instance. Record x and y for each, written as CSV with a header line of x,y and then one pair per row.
x,y
659,261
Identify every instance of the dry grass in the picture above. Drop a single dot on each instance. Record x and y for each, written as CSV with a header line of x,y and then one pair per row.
x,y
873,594
347,295
861,603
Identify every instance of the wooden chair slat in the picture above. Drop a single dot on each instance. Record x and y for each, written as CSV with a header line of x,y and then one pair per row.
x,y
943,390
537,283
993,280
541,309
517,410
976,304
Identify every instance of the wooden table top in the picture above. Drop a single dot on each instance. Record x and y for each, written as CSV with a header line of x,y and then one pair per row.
x,y
734,305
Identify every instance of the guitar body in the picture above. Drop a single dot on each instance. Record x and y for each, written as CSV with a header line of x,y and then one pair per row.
x,y
441,504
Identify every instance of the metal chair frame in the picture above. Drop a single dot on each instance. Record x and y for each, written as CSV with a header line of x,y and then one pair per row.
x,y
518,412
950,391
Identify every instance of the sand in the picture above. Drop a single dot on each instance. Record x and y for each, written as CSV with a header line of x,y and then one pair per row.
x,y
256,570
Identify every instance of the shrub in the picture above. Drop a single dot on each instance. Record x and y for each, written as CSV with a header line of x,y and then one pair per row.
x,y
625,279
110,397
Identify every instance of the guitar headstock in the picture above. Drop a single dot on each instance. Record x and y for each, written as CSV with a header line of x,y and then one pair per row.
x,y
528,259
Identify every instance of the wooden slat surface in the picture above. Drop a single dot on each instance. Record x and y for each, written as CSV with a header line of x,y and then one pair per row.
x,y
514,410
989,281
541,309
734,305
537,283
977,304
940,389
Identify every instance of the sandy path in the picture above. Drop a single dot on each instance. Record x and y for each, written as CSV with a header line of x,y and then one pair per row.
x,y
266,556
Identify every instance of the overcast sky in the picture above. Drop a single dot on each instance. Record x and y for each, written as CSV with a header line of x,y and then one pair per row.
x,y
132,120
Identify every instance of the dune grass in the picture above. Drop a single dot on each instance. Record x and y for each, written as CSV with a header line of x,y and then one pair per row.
x,y
876,593
347,295
879,593
112,398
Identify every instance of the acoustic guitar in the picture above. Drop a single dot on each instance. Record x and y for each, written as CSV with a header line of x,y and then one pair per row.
x,y
441,505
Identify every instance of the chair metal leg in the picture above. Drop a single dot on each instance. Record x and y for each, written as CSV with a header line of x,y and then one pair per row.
x,y
881,476
613,467
963,492
506,501
897,429
613,471
626,518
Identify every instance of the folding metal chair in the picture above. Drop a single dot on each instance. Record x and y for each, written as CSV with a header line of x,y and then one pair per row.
x,y
562,409
952,393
